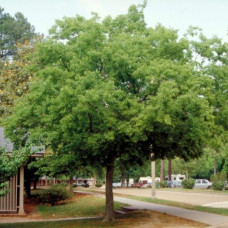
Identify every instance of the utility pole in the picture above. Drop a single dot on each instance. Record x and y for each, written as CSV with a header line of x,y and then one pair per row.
x,y
162,170
170,170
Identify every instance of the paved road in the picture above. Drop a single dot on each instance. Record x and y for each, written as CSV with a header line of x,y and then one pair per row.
x,y
194,198
202,217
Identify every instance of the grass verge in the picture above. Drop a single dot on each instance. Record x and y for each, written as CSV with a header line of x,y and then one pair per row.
x,y
220,211
79,207
135,219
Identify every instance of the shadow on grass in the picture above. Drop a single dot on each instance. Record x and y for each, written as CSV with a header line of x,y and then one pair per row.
x,y
142,218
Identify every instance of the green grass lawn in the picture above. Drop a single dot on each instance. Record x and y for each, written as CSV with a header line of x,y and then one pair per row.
x,y
62,224
79,206
133,219
83,206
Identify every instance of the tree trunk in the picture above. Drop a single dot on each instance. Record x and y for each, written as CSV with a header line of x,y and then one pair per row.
x,y
46,181
170,169
71,184
123,179
34,184
94,180
127,179
162,170
109,206
71,180
215,165
27,188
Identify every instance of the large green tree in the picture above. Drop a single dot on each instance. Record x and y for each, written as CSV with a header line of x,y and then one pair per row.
x,y
13,30
113,89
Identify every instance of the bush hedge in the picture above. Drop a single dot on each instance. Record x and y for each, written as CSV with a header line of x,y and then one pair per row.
x,y
74,185
188,183
162,184
54,194
98,184
218,185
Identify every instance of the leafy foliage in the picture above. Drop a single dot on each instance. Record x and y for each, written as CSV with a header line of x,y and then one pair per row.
x,y
13,30
188,183
9,164
55,194
114,89
218,185
162,184
15,76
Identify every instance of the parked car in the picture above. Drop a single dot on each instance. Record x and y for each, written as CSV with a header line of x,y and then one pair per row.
x,y
142,184
174,184
202,183
116,184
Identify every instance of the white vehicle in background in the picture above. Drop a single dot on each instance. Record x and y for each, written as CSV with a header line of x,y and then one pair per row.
x,y
116,184
202,183
148,180
176,177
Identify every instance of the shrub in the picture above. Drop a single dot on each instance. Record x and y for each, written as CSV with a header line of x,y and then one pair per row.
x,y
98,184
219,177
222,176
63,184
212,178
188,183
162,184
218,185
74,185
85,185
54,194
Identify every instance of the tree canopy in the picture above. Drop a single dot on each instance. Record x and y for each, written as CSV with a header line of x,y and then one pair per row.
x,y
114,89
15,76
13,30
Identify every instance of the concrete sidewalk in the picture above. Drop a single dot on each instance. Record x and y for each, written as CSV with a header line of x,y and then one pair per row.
x,y
213,220
203,217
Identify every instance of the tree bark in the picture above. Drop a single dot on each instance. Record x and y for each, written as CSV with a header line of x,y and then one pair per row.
x,y
71,184
127,179
170,169
215,165
27,188
109,206
34,184
123,179
162,170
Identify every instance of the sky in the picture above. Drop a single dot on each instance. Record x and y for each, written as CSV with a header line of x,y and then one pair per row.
x,y
210,15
